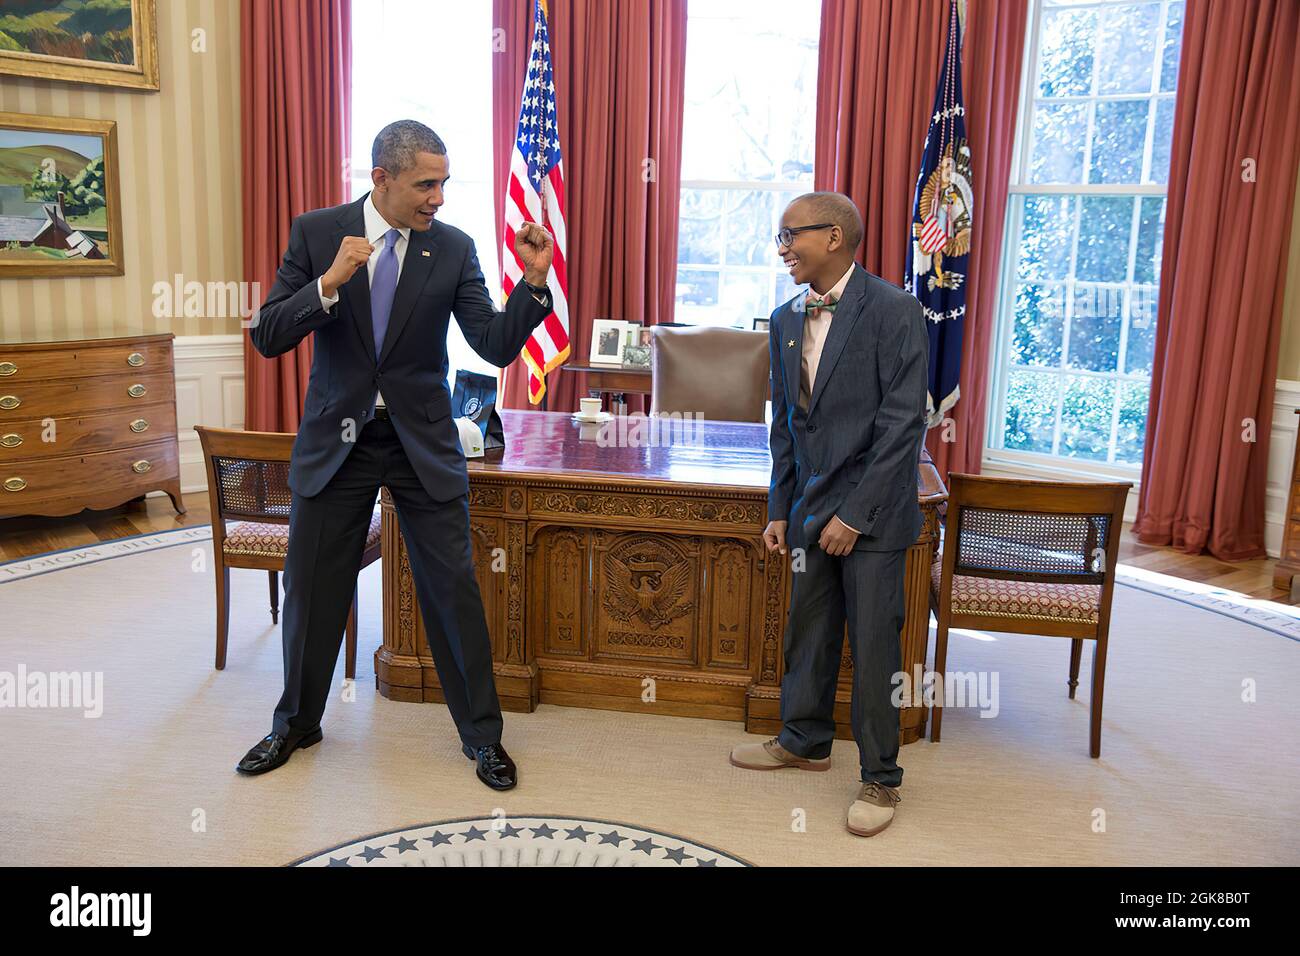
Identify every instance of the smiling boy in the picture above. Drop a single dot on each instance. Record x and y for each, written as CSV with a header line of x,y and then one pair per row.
x,y
849,361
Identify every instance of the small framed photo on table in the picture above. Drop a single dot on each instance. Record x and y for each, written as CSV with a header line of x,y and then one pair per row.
x,y
608,340
762,325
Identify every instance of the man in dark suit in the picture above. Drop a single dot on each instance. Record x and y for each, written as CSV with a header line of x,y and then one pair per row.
x,y
849,362
376,280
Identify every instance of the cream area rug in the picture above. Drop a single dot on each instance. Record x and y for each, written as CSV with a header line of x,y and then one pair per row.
x,y
119,743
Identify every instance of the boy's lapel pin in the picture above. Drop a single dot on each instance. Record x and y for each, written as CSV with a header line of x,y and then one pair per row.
x,y
790,344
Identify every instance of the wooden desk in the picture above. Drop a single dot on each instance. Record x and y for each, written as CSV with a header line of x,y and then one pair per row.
x,y
603,567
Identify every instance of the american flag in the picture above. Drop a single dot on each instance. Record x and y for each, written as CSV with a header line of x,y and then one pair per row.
x,y
535,193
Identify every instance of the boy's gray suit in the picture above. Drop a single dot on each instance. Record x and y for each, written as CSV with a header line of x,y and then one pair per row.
x,y
853,454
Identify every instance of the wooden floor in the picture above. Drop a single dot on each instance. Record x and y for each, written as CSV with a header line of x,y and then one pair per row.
x,y
24,537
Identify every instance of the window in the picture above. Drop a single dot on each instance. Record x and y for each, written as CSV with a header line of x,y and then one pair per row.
x,y
1085,218
747,150
396,74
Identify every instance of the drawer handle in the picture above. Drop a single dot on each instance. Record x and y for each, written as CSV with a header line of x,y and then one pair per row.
x,y
15,484
9,401
8,368
135,360
141,466
139,425
12,440
137,390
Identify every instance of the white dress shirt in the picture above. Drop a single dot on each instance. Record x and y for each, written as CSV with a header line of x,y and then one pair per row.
x,y
816,326
376,228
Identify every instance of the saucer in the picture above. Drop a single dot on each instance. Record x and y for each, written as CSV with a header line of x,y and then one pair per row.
x,y
599,417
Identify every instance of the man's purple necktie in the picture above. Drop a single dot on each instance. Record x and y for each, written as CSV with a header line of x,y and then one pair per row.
x,y
382,288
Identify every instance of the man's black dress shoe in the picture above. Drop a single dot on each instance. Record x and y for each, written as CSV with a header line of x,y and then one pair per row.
x,y
274,749
495,768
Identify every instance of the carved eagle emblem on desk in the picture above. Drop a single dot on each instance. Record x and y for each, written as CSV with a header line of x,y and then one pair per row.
x,y
643,587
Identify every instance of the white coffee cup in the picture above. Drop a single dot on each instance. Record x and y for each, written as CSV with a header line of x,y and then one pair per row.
x,y
590,407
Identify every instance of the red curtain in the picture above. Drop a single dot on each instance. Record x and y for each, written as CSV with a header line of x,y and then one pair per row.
x,y
878,67
619,80
1232,176
296,84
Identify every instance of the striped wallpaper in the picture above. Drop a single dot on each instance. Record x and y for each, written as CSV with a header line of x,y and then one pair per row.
x,y
179,165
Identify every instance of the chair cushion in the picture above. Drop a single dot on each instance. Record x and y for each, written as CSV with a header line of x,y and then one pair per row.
x,y
1027,600
272,540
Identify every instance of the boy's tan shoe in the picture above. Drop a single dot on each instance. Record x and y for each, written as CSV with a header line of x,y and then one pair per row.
x,y
770,755
873,810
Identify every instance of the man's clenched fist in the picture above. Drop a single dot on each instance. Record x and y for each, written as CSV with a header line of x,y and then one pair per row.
x,y
353,254
536,249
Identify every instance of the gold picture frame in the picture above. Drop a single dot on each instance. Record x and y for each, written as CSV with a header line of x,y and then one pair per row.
x,y
140,74
73,228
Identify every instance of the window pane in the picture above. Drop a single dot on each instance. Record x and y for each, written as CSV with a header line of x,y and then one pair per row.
x,y
1173,45
1082,296
1031,411
1040,322
1059,134
751,90
1045,237
1094,327
751,82
1132,428
1126,45
699,235
750,227
1119,135
1085,417
697,295
1150,241
1141,329
785,290
1065,51
744,295
1104,227
1162,140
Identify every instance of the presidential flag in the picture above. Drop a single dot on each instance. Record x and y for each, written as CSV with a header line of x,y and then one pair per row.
x,y
941,224
535,193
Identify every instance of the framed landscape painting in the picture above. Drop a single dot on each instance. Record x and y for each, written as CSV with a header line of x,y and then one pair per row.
x,y
112,42
60,212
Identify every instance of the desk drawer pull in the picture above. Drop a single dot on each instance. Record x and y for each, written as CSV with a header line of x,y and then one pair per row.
x,y
15,484
141,466
8,368
139,425
9,401
137,390
12,440
135,360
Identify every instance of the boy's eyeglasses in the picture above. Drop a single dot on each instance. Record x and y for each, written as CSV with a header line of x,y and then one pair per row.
x,y
786,236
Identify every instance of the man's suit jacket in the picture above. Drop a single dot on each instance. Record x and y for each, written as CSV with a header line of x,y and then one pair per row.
x,y
854,452
439,275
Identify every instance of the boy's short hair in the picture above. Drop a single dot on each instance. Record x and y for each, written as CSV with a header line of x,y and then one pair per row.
x,y
836,208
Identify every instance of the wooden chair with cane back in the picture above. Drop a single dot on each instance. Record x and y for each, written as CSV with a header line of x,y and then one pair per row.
x,y
1029,557
248,482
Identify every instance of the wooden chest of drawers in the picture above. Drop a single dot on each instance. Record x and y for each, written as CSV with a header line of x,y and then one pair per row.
x,y
88,424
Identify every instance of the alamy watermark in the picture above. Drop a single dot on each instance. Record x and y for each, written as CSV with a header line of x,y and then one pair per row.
x,y
978,689
53,690
190,299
